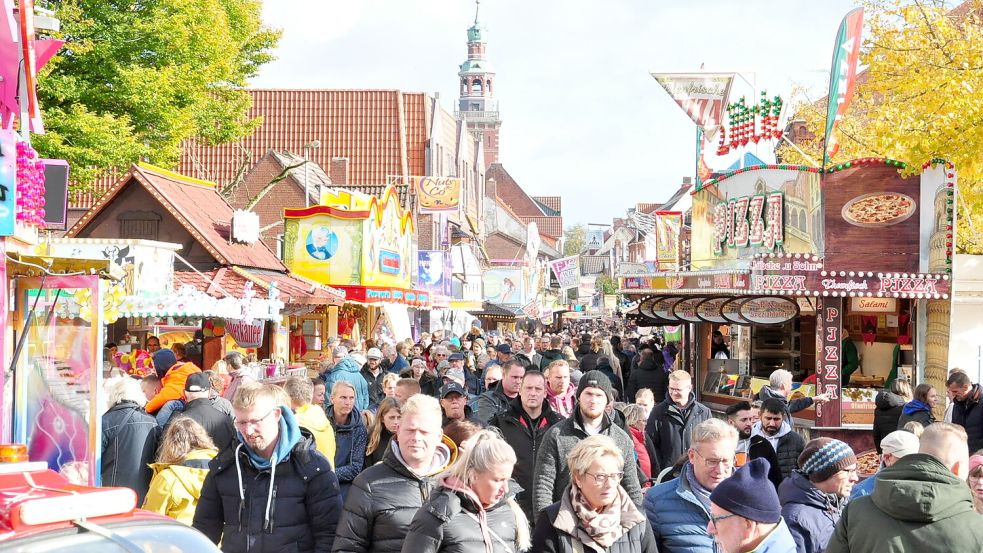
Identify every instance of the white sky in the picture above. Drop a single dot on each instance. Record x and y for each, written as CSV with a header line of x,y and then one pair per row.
x,y
582,117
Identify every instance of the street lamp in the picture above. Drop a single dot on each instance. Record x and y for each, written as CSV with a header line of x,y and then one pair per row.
x,y
312,145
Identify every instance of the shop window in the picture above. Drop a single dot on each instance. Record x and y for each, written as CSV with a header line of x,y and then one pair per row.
x,y
313,333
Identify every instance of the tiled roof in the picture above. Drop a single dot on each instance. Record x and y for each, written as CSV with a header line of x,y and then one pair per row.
x,y
550,226
381,132
312,173
554,203
511,193
496,310
232,280
197,206
594,264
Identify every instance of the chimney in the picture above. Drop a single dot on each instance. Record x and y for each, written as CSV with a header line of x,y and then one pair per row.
x,y
339,171
687,180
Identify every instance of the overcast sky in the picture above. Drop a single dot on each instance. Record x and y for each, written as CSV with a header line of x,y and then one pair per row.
x,y
582,117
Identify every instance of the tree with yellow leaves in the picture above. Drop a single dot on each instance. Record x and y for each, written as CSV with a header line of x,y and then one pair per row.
x,y
921,97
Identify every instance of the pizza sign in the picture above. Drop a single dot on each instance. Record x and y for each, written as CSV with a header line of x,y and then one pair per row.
x,y
749,221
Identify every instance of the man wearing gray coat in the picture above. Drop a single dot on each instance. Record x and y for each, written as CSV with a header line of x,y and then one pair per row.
x,y
552,476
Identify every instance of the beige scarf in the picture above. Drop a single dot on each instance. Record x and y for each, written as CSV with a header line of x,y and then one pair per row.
x,y
602,528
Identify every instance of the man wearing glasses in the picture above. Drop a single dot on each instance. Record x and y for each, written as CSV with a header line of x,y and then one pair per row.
x,y
679,510
745,514
271,490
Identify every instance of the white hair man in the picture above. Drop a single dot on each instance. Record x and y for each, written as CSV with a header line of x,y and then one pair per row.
x,y
129,437
679,510
780,387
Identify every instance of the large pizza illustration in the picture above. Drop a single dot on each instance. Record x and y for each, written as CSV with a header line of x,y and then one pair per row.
x,y
878,209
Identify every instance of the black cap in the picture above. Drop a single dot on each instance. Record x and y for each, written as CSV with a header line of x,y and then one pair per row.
x,y
197,382
504,348
452,388
456,356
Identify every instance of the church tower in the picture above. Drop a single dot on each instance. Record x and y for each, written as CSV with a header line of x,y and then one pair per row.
x,y
477,105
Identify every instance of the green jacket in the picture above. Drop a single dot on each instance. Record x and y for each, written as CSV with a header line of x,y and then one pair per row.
x,y
918,505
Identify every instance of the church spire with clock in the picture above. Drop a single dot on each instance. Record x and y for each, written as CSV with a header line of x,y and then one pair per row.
x,y
477,105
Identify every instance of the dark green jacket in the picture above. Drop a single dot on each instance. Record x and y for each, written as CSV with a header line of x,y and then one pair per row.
x,y
918,505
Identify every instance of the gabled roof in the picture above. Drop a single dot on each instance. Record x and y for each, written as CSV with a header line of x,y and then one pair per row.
x,y
294,290
313,173
197,206
511,193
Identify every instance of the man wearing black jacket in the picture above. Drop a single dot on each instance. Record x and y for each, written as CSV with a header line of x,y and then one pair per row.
x,y
199,408
671,423
554,353
523,427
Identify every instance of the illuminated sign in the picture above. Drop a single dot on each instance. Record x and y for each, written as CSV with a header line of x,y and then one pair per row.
x,y
749,221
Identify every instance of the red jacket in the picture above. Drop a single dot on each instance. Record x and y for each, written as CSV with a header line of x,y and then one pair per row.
x,y
638,438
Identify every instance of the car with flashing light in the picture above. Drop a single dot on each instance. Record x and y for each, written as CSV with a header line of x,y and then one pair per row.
x,y
42,512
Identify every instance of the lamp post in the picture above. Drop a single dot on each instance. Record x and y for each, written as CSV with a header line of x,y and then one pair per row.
x,y
312,145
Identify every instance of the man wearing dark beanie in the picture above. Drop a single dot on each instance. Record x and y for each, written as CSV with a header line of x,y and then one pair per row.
x,y
745,514
813,497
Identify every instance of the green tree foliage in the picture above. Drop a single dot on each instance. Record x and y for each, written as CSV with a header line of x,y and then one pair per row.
x,y
606,284
574,239
136,79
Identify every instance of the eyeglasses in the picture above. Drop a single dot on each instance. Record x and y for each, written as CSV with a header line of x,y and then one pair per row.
x,y
602,478
254,422
711,463
716,520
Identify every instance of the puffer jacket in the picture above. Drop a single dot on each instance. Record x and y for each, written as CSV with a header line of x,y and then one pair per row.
x,y
313,418
552,475
784,459
810,514
384,499
453,521
670,429
969,415
288,503
351,439
887,412
525,437
915,412
129,445
918,505
648,374
175,489
557,525
492,403
348,370
679,521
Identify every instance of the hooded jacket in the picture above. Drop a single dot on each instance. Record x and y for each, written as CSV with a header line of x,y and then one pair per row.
x,y
810,513
175,489
916,411
793,406
313,418
565,403
782,450
384,499
548,357
373,383
289,502
669,430
351,439
969,415
887,412
129,445
348,370
525,436
918,505
648,374
172,385
552,475
453,521
679,521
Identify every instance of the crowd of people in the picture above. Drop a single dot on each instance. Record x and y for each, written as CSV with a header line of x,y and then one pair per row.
x,y
582,440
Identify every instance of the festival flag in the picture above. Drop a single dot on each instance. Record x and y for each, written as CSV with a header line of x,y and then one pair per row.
x,y
703,96
843,77
567,271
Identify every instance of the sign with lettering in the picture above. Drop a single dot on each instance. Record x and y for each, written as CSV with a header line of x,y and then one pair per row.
x,y
709,310
662,309
247,335
685,310
769,310
829,338
731,310
723,281
873,305
749,221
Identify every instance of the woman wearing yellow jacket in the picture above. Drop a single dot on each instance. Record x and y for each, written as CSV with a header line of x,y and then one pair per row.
x,y
309,416
180,470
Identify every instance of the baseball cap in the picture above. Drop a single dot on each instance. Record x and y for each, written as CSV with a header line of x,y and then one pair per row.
x,y
456,375
374,353
197,382
900,443
452,388
504,348
456,356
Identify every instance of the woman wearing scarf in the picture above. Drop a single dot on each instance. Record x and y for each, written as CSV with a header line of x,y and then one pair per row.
x,y
595,513
919,409
473,509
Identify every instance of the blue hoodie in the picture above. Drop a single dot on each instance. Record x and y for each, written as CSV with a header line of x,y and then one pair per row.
x,y
350,371
289,436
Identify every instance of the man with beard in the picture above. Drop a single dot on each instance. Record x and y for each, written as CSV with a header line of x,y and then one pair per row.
x,y
772,438
679,510
741,417
499,399
271,490
671,424
386,496
552,475
967,409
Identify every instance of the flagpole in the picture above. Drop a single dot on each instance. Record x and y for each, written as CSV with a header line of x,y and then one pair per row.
x,y
699,146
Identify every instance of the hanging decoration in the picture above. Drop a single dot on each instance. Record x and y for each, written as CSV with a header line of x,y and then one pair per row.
x,y
30,186
751,124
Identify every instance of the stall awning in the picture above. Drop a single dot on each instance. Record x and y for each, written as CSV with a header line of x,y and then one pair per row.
x,y
383,294
497,310
294,289
217,293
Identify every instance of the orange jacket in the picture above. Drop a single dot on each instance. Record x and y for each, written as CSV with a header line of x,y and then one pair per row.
x,y
172,385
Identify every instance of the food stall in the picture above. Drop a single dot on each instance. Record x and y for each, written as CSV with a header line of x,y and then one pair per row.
x,y
819,273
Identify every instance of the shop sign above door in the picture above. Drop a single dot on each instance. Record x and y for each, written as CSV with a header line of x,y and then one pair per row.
x,y
769,311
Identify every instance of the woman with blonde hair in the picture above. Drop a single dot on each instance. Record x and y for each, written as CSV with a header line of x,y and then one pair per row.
x,y
382,430
608,350
594,513
180,470
473,508
389,385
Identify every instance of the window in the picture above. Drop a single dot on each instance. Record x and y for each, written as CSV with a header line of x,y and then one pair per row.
x,y
476,87
142,225
475,107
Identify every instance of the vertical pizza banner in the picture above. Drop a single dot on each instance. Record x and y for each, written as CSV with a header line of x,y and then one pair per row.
x,y
828,380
